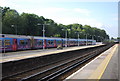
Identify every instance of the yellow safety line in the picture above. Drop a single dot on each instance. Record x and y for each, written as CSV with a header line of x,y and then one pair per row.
x,y
97,74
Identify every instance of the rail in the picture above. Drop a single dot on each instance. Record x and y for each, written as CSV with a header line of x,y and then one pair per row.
x,y
60,71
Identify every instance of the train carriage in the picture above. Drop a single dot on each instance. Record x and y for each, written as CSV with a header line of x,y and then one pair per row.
x,y
59,42
76,42
1,45
6,44
89,42
22,42
14,42
82,42
63,42
73,42
50,42
36,42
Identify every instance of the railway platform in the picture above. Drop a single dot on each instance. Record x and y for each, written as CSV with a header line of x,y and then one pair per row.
x,y
12,56
104,67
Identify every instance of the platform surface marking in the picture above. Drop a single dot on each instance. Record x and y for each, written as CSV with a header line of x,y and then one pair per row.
x,y
97,74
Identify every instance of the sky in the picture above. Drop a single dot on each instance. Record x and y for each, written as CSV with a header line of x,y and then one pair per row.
x,y
101,14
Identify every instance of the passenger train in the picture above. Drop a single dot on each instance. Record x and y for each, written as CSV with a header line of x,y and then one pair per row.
x,y
10,42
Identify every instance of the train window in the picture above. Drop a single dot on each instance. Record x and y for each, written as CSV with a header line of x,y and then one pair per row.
x,y
63,42
40,42
59,42
48,41
51,42
7,42
22,42
26,42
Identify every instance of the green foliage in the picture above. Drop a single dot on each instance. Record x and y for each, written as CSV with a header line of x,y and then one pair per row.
x,y
11,17
57,35
118,37
32,24
29,24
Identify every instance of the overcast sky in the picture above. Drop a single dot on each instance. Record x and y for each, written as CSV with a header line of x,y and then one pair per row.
x,y
103,15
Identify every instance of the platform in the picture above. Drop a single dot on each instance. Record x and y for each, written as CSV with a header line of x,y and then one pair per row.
x,y
11,56
105,66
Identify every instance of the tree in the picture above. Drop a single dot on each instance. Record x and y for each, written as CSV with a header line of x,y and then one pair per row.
x,y
51,28
4,10
11,17
32,24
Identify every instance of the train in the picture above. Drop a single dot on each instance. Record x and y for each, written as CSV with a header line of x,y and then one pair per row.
x,y
9,42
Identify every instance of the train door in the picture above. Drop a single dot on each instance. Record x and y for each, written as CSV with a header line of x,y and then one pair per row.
x,y
62,42
45,44
32,43
55,45
14,44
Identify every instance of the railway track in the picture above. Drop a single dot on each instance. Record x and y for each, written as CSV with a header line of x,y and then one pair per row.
x,y
58,71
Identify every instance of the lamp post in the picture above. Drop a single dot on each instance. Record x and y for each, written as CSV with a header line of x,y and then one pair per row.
x,y
66,36
99,38
93,37
15,28
86,39
78,37
43,34
102,39
4,45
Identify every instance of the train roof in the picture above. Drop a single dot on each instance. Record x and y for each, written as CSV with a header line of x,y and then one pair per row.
x,y
39,37
14,36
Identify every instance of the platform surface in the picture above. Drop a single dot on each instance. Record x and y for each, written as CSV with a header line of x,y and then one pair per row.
x,y
12,56
105,66
111,71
